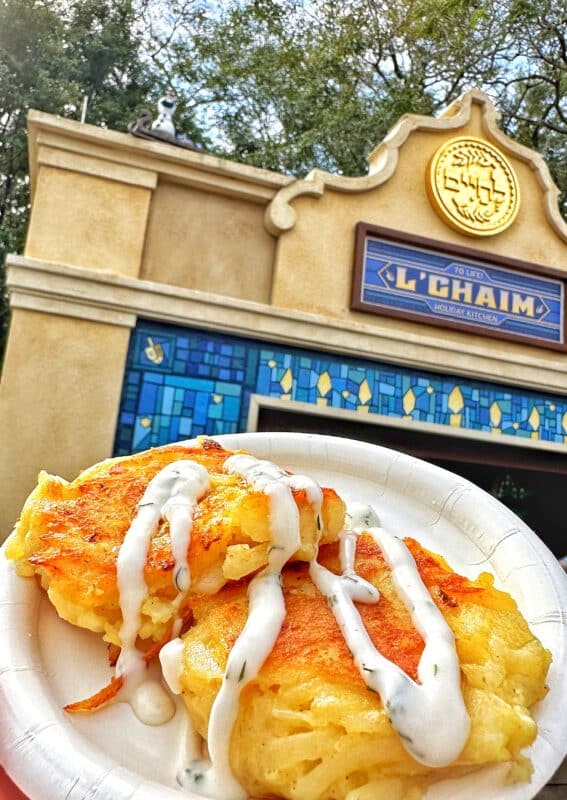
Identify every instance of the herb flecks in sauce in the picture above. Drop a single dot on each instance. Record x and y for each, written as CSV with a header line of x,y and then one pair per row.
x,y
436,729
172,495
418,711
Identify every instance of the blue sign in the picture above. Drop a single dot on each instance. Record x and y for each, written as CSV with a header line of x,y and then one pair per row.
x,y
420,282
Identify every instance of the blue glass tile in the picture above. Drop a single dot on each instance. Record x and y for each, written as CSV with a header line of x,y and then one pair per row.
x,y
263,383
141,434
167,400
231,407
201,408
185,424
252,359
174,428
219,387
357,376
148,398
215,411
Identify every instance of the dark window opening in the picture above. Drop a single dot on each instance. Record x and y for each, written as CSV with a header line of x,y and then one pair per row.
x,y
530,482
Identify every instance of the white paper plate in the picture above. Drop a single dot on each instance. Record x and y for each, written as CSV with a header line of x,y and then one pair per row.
x,y
45,663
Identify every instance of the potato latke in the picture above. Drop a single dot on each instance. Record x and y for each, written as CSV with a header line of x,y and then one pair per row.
x,y
70,535
309,729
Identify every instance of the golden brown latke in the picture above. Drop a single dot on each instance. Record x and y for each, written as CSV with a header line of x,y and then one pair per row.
x,y
70,535
309,729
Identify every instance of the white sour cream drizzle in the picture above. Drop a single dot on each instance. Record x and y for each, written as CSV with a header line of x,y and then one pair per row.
x,y
430,717
266,614
172,494
171,659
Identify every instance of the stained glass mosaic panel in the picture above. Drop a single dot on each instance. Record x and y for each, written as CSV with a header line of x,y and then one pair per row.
x,y
181,383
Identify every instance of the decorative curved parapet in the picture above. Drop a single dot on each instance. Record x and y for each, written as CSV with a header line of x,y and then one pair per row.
x,y
281,217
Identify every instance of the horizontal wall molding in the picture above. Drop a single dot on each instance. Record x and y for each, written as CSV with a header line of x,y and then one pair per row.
x,y
91,294
97,167
62,307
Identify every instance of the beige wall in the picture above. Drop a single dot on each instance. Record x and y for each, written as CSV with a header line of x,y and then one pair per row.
x,y
208,241
88,220
61,385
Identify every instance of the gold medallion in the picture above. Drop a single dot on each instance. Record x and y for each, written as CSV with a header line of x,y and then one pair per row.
x,y
472,187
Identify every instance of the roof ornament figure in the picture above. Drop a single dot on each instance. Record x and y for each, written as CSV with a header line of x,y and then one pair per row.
x,y
166,107
162,129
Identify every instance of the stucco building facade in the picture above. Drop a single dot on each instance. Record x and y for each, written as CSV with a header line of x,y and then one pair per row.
x,y
165,294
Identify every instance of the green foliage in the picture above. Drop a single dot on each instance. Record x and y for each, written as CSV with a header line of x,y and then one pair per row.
x,y
52,54
533,94
294,84
30,58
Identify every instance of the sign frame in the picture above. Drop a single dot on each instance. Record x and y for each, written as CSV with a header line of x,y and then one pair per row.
x,y
479,258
